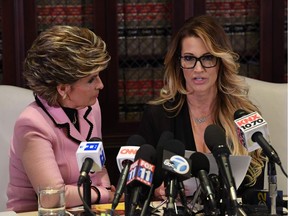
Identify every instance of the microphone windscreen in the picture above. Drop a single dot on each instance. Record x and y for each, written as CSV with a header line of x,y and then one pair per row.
x,y
215,139
199,162
165,136
176,147
146,152
135,140
158,175
240,113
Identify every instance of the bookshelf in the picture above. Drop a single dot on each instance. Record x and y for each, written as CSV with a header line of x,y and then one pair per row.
x,y
258,33
137,33
141,25
240,20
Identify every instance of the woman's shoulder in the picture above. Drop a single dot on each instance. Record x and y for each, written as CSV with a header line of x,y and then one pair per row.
x,y
155,110
153,107
32,114
30,111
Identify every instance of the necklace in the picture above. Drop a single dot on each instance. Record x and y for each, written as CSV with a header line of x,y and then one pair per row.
x,y
75,118
201,119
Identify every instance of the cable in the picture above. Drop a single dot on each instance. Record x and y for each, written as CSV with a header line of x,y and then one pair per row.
x,y
84,203
282,169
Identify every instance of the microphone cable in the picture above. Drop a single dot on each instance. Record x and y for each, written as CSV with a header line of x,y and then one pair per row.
x,y
85,204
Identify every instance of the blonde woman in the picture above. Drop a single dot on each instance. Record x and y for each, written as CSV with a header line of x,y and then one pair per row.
x,y
201,87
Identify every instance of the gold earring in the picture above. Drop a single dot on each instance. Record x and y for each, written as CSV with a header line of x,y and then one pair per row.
x,y
64,96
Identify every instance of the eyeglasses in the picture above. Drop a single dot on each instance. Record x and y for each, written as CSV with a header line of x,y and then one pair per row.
x,y
189,61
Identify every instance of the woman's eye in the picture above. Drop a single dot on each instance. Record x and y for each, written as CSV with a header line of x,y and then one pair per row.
x,y
188,58
91,80
208,57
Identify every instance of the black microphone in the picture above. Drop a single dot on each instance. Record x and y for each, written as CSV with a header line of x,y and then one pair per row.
x,y
215,139
177,168
200,169
258,129
140,177
126,156
90,157
158,175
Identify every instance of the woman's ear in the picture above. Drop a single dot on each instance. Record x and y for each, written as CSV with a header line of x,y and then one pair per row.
x,y
63,90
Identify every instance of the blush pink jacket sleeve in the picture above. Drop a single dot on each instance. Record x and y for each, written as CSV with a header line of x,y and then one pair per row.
x,y
43,152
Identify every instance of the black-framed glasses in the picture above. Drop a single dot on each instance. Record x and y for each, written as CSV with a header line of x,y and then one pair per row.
x,y
206,61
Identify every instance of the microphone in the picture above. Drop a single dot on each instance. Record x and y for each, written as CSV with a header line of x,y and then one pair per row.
x,y
124,159
158,175
200,169
90,158
254,132
215,139
174,163
127,153
177,169
140,177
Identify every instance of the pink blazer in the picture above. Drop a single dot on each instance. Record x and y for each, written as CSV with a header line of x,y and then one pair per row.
x,y
43,151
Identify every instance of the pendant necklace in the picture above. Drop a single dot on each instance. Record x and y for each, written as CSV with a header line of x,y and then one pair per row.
x,y
201,119
75,118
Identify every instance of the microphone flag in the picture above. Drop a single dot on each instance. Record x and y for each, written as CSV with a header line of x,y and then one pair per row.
x,y
93,150
247,125
126,153
141,171
177,165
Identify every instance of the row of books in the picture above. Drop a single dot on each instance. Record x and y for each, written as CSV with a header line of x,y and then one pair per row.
x,y
136,86
144,28
69,12
144,32
240,20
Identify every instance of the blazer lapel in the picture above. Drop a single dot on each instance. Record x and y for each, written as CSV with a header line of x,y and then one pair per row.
x,y
61,120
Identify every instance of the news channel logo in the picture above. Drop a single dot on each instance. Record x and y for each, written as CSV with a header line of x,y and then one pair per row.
x,y
179,164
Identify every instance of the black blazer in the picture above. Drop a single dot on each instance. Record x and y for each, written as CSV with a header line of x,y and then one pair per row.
x,y
156,120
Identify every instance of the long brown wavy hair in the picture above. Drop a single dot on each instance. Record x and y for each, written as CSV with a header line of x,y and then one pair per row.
x,y
232,90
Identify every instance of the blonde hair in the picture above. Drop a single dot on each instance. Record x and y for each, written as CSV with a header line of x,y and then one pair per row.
x,y
63,55
232,90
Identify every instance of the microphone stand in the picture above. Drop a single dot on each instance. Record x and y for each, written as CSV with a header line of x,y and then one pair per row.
x,y
127,202
272,180
228,201
87,196
147,202
171,190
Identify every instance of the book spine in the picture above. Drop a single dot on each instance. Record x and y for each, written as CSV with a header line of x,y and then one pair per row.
x,y
71,12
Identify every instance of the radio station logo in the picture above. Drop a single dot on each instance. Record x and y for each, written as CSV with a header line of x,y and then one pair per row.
x,y
250,121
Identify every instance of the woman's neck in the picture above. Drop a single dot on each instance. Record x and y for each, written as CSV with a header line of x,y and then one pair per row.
x,y
201,105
